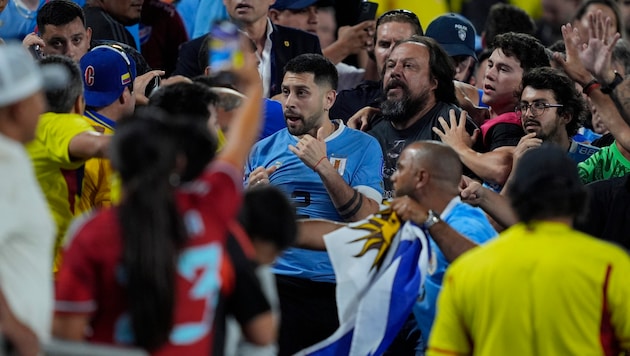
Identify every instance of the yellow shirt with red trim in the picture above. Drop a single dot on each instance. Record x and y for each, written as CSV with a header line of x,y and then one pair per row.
x,y
97,179
538,289
57,173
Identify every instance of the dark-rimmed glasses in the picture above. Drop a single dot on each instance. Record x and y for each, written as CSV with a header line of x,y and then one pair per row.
x,y
537,108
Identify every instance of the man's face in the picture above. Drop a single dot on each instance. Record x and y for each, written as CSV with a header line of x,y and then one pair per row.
x,y
406,176
407,82
247,11
71,40
127,12
558,12
327,28
387,34
548,125
583,24
304,102
305,19
503,77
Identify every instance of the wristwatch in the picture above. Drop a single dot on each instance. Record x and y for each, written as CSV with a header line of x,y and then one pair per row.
x,y
608,88
432,219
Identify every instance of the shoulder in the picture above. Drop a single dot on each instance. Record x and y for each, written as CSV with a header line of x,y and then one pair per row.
x,y
294,39
93,229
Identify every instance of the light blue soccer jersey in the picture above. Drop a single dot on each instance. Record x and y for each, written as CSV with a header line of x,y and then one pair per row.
x,y
357,157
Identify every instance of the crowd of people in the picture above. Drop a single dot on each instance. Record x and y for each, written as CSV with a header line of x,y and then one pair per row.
x,y
143,192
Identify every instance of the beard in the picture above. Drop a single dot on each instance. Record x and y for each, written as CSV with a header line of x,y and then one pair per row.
x,y
305,125
403,109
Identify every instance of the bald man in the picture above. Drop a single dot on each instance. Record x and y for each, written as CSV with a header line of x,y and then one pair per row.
x,y
426,185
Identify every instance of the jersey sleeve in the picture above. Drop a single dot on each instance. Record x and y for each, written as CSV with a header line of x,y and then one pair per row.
x,y
588,168
220,187
57,132
449,335
75,286
368,178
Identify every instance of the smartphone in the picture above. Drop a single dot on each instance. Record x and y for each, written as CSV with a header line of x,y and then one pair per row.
x,y
367,11
153,85
224,48
36,52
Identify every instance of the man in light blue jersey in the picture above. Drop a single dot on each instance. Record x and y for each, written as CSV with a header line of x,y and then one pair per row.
x,y
329,171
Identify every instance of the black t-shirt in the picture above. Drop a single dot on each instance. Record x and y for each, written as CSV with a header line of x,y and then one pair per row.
x,y
349,101
504,134
608,211
247,299
393,141
104,27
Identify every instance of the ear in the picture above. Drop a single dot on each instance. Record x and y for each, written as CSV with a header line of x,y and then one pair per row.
x,y
88,34
206,71
434,83
79,105
423,177
274,15
330,97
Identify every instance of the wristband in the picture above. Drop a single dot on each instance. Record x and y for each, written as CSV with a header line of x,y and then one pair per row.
x,y
318,162
590,86
608,88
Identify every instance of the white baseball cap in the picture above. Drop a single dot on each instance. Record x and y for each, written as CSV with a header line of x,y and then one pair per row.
x,y
21,77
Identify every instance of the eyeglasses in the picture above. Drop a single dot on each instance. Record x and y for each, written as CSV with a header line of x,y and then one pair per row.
x,y
402,12
125,57
537,108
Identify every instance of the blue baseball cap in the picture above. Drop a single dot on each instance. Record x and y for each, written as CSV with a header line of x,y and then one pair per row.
x,y
454,33
299,4
107,71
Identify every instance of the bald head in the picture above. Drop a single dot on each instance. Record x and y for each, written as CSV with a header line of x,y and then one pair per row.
x,y
438,159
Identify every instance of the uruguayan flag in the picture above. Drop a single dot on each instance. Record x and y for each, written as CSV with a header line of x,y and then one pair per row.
x,y
380,267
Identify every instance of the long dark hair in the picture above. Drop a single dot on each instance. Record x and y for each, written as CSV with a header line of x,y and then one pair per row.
x,y
146,151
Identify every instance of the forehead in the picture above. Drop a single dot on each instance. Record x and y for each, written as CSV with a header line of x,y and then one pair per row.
x,y
301,79
393,30
606,12
73,27
410,50
499,57
531,94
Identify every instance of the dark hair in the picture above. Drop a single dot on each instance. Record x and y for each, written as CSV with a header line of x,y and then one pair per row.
x,y
558,46
546,185
581,11
504,18
441,65
527,49
142,66
58,13
62,100
400,15
144,151
564,92
323,70
187,105
621,55
268,215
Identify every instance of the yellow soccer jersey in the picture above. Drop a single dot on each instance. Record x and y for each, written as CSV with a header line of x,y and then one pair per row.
x,y
542,289
97,179
58,175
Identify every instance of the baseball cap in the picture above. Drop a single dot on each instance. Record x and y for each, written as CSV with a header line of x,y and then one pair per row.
x,y
107,71
21,77
454,33
299,4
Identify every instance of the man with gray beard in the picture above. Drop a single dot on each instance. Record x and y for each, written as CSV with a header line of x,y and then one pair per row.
x,y
418,89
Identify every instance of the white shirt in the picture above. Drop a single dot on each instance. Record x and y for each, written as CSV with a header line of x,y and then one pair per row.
x,y
27,235
264,66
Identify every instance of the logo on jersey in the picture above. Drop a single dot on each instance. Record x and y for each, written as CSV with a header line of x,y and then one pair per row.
x,y
339,163
89,76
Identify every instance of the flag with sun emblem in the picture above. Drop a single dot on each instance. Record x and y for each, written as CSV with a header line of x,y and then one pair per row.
x,y
380,265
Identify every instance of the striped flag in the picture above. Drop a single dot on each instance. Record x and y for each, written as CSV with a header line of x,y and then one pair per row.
x,y
380,267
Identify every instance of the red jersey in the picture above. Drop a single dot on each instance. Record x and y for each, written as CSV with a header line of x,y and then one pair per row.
x,y
92,281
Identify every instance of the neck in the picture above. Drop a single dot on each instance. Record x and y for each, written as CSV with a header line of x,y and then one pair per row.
x,y
327,125
419,115
436,198
111,113
500,110
562,140
257,31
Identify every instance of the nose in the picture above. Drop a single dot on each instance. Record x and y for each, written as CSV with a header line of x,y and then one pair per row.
x,y
490,74
312,15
